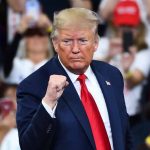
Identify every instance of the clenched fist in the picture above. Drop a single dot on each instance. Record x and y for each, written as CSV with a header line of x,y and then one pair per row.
x,y
55,88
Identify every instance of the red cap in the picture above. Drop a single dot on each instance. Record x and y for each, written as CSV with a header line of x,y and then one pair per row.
x,y
126,13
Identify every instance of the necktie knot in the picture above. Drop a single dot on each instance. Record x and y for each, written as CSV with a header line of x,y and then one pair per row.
x,y
82,78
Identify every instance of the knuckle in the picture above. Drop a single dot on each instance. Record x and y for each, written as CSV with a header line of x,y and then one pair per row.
x,y
57,79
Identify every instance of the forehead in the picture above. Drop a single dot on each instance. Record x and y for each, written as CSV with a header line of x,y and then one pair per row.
x,y
75,33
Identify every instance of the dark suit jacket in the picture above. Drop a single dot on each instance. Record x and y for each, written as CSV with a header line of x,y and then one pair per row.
x,y
70,130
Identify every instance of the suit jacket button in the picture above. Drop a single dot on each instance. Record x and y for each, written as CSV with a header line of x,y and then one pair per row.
x,y
49,128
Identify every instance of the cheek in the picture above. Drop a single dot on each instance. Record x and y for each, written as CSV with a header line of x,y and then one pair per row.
x,y
63,50
89,51
30,42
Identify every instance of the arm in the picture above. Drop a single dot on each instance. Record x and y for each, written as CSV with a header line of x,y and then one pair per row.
x,y
147,6
134,78
11,49
106,8
10,53
128,139
137,68
33,121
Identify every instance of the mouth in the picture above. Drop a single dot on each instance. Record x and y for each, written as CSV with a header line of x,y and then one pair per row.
x,y
76,59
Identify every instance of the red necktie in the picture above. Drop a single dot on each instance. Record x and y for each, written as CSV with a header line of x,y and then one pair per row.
x,y
95,120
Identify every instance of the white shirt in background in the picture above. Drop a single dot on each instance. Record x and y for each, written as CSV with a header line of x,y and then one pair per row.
x,y
11,141
132,96
22,68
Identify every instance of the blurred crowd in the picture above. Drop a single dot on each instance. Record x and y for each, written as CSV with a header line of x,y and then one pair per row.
x,y
124,41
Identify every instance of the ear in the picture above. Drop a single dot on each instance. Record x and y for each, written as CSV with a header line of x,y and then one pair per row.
x,y
55,44
96,42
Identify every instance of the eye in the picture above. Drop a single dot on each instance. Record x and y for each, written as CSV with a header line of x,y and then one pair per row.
x,y
83,41
67,42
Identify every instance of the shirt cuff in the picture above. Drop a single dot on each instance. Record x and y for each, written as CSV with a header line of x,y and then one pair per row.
x,y
50,111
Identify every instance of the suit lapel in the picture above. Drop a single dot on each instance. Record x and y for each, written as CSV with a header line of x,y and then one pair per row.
x,y
111,103
72,99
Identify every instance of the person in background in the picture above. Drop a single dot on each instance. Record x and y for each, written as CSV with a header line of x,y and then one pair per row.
x,y
50,7
134,61
72,102
3,28
37,49
9,91
106,9
7,117
142,136
123,23
8,130
129,52
15,10
30,14
10,141
37,53
145,13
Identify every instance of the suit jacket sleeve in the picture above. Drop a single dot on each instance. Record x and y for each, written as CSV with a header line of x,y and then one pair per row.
x,y
33,121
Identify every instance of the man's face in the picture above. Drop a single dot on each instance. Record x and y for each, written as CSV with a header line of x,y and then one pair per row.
x,y
75,48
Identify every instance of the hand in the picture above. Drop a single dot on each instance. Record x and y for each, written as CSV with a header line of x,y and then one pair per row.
x,y
126,61
128,58
24,23
115,47
44,22
56,86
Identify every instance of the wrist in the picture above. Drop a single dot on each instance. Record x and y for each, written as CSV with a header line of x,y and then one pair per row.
x,y
50,103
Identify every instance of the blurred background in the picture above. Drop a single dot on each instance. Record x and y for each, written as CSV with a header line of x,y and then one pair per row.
x,y
124,41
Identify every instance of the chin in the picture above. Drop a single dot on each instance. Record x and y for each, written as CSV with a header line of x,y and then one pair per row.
x,y
78,68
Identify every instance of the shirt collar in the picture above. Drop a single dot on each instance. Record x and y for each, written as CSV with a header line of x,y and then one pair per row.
x,y
73,77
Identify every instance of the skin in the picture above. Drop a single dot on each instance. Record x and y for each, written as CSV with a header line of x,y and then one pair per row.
x,y
17,5
42,22
106,8
37,48
147,6
80,3
75,48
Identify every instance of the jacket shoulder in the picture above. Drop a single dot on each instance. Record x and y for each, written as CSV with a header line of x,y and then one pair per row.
x,y
104,67
109,72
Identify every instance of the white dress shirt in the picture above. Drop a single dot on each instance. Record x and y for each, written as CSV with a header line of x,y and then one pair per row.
x,y
95,90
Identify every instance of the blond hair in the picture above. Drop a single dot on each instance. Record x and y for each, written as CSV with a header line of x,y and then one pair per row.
x,y
80,18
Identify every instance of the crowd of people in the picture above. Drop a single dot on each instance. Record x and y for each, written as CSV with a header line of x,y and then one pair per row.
x,y
124,42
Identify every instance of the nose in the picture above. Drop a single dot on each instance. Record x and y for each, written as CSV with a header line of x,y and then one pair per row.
x,y
75,47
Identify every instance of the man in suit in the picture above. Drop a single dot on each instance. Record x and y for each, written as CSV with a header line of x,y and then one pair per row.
x,y
72,102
